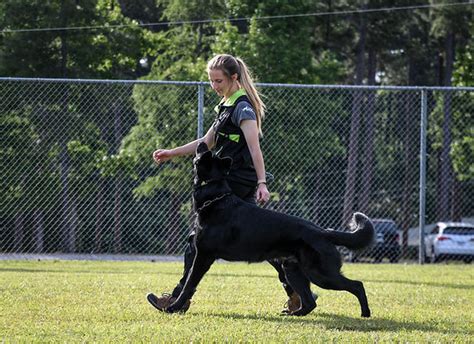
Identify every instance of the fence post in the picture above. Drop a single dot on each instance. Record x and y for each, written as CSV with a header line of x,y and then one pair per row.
x,y
423,128
200,124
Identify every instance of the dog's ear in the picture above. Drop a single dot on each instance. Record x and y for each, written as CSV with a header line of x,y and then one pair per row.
x,y
201,148
225,164
204,159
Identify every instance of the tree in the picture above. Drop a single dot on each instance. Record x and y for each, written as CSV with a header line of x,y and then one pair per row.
x,y
268,47
61,53
449,25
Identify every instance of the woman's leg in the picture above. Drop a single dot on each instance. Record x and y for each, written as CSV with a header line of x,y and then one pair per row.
x,y
165,300
189,255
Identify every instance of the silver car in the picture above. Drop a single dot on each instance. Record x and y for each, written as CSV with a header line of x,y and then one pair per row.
x,y
453,240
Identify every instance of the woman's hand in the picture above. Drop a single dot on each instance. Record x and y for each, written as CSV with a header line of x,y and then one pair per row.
x,y
162,155
262,193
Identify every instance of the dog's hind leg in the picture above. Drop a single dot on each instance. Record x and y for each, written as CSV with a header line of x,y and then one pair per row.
x,y
336,281
301,285
201,264
324,271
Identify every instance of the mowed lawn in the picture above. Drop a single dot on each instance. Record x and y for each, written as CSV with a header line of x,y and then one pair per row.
x,y
89,301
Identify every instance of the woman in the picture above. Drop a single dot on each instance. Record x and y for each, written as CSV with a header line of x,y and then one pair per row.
x,y
235,133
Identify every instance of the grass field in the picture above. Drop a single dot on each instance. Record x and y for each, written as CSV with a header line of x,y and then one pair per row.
x,y
85,301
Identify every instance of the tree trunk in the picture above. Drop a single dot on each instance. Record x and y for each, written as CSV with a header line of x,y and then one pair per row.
x,y
368,159
118,215
199,41
408,171
327,31
99,213
73,224
19,232
353,155
456,204
38,219
316,209
446,168
68,243
408,160
103,190
118,183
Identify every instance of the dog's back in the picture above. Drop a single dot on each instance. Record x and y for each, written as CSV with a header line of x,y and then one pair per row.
x,y
237,230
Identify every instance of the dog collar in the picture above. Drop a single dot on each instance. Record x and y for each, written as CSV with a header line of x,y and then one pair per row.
x,y
211,201
204,183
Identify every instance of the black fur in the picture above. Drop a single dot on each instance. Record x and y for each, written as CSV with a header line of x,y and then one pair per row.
x,y
234,230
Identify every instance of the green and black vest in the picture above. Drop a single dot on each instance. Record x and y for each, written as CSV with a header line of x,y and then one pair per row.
x,y
230,141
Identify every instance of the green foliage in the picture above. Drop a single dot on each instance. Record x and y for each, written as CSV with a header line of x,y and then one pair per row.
x,y
448,19
461,148
176,10
18,149
166,118
327,69
109,53
297,50
175,61
43,122
463,74
268,41
463,156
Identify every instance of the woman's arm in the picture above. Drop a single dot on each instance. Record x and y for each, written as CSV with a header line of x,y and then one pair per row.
x,y
162,155
250,130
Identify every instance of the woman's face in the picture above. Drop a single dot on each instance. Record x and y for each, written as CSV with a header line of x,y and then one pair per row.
x,y
221,83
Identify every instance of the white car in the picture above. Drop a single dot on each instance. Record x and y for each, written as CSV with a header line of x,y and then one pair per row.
x,y
454,240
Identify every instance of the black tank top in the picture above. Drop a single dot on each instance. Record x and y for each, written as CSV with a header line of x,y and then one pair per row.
x,y
230,142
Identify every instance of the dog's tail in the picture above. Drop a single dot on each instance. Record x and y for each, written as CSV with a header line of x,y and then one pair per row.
x,y
361,236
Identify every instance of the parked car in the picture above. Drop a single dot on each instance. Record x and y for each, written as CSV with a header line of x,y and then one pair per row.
x,y
386,242
450,240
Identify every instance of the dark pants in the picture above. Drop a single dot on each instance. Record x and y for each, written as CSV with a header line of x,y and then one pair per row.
x,y
247,194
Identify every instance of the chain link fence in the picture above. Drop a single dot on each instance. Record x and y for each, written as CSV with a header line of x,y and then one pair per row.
x,y
78,175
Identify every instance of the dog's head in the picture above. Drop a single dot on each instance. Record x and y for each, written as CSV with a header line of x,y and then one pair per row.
x,y
208,167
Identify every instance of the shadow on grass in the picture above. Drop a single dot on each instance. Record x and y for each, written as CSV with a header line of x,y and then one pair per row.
x,y
73,271
344,323
467,286
158,272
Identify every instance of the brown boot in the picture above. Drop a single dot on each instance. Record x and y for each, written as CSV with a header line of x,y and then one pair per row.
x,y
163,302
294,303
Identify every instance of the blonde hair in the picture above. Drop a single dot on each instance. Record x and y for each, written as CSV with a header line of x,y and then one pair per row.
x,y
230,65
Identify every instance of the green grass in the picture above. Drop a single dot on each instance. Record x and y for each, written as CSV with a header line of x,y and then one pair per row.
x,y
82,301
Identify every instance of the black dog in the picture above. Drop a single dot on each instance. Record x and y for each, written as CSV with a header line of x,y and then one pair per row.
x,y
234,230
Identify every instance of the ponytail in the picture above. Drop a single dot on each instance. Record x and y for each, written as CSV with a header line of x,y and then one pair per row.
x,y
230,66
247,83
